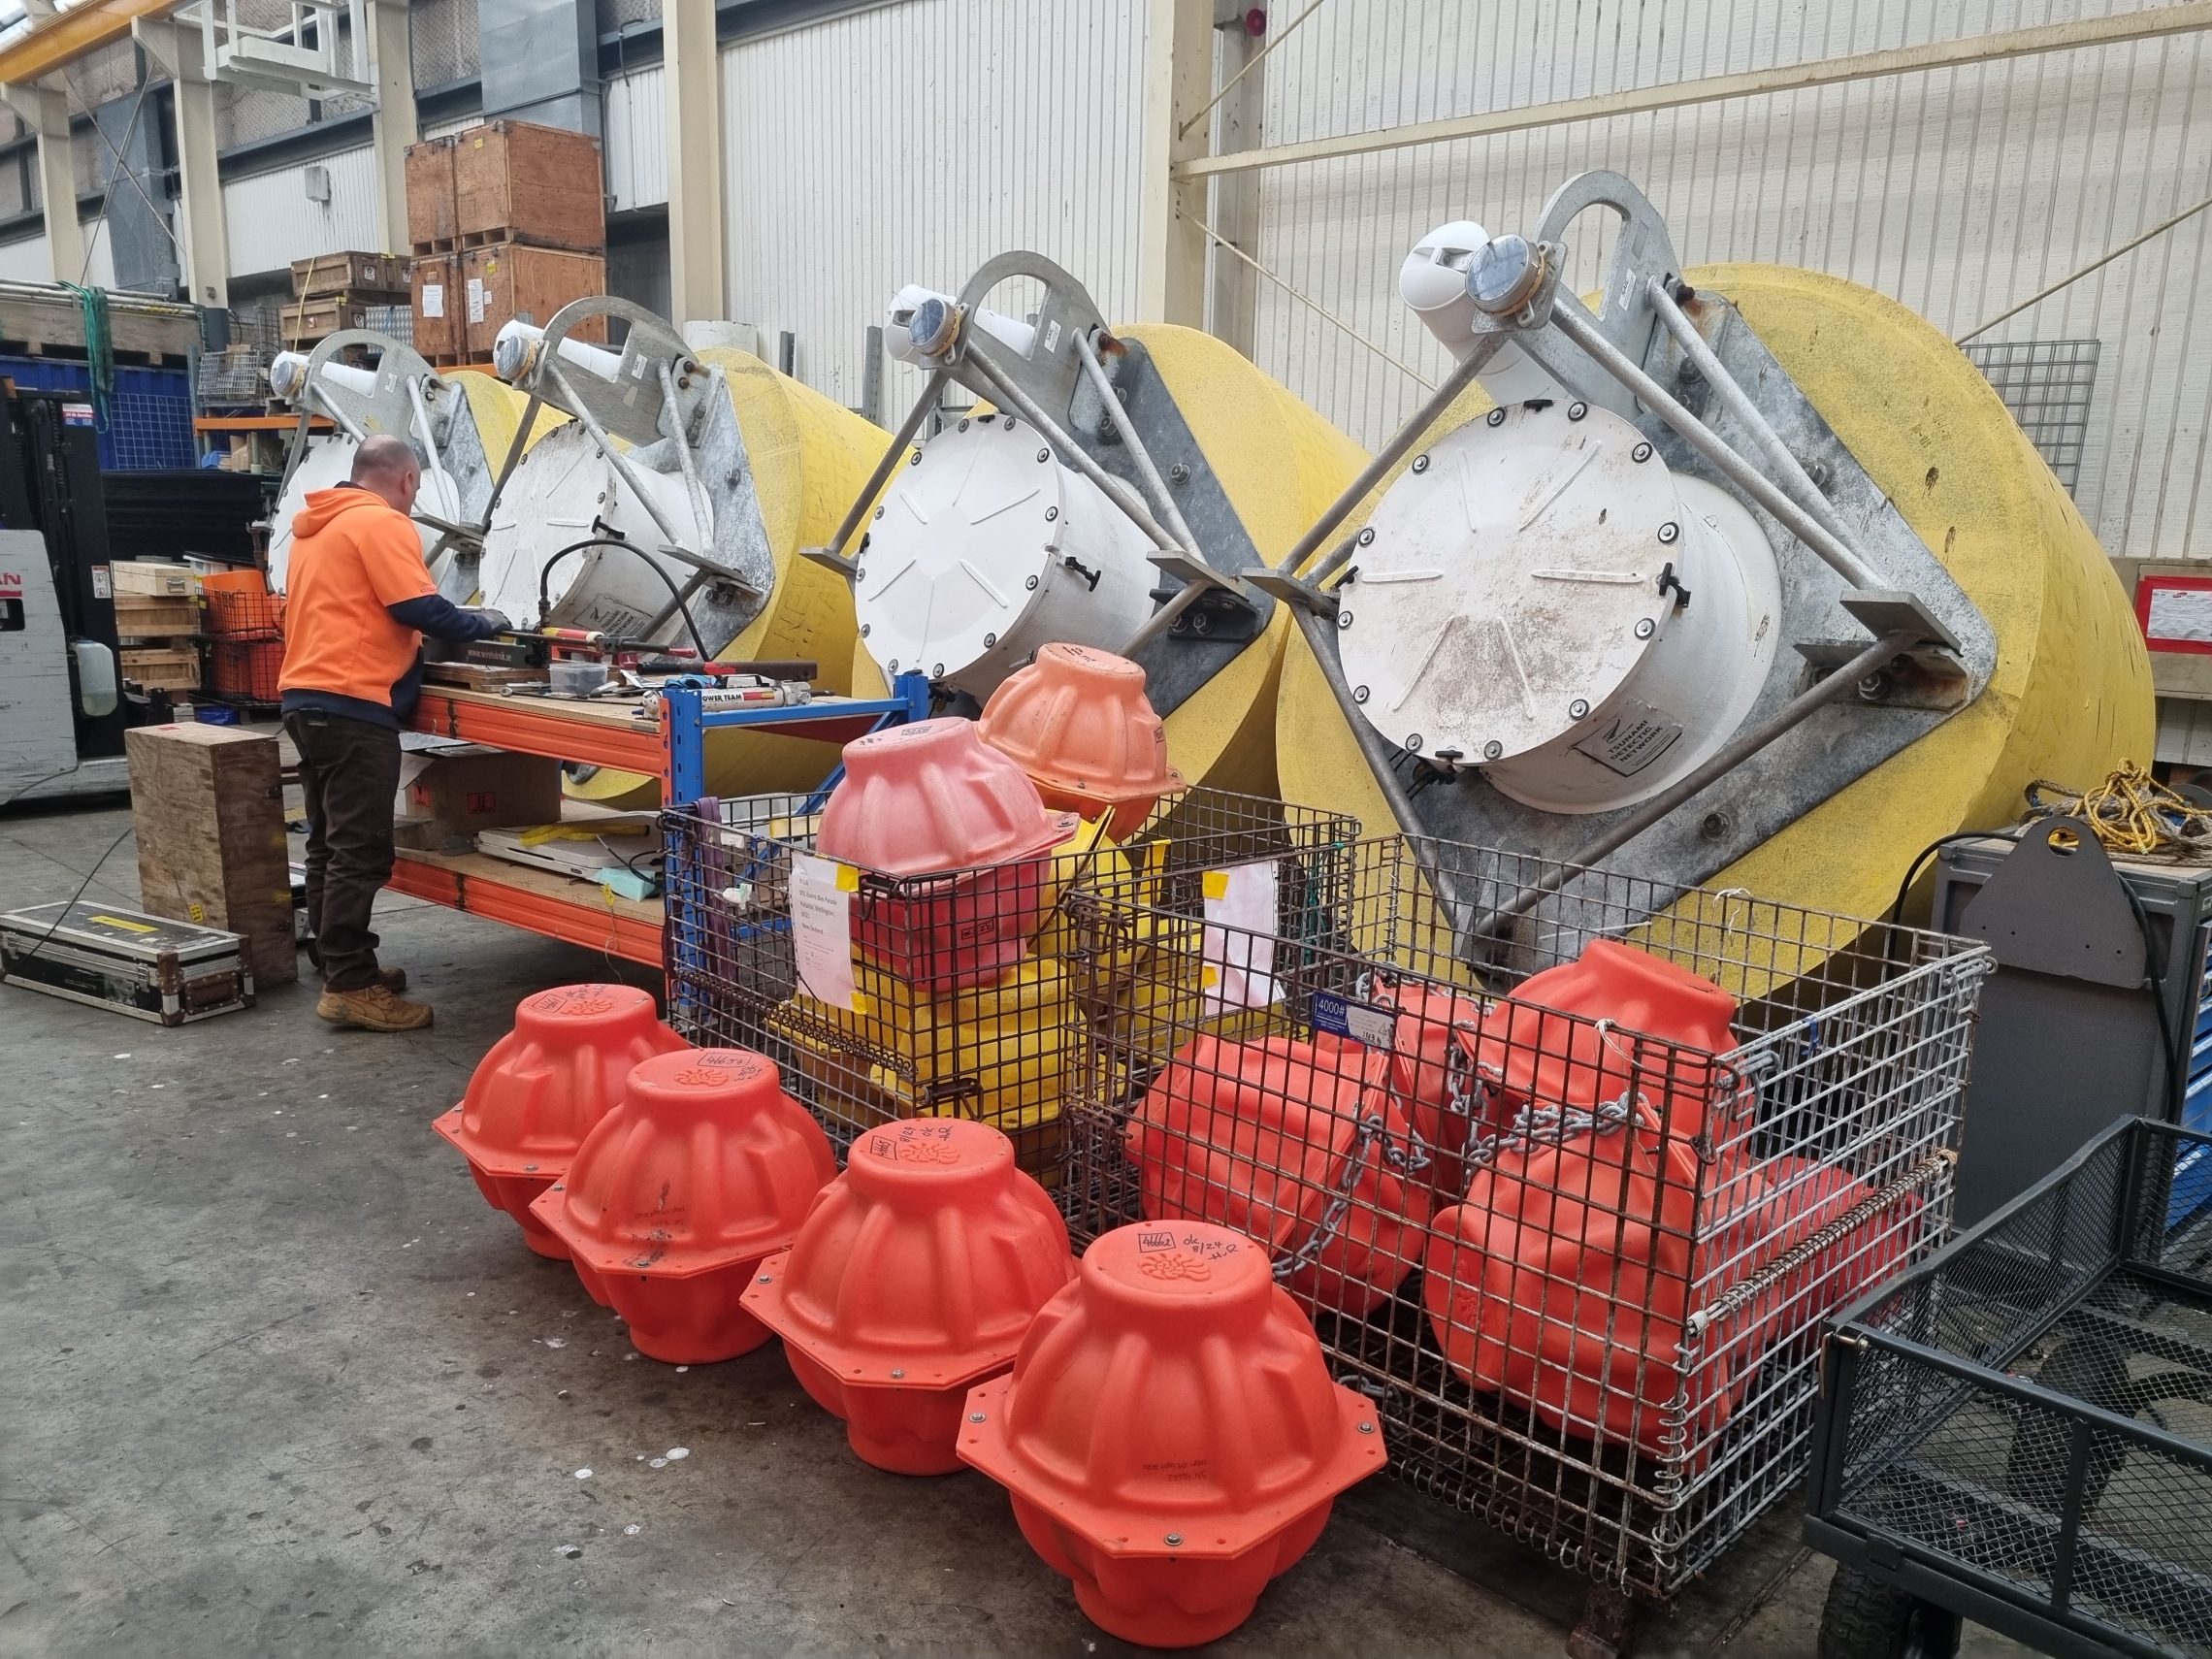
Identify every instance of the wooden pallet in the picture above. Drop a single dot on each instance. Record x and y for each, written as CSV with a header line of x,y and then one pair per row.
x,y
39,320
437,245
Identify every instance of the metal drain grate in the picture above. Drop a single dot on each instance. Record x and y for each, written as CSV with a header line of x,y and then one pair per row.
x,y
2047,384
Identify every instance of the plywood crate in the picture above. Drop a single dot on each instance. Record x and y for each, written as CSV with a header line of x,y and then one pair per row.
x,y
518,182
335,276
209,808
151,578
432,221
305,320
509,279
155,616
439,328
166,668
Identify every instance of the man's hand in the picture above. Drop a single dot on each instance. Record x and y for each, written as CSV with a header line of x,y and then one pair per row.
x,y
491,621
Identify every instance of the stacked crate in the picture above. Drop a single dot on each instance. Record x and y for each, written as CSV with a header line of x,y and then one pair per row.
x,y
157,621
335,291
246,650
508,221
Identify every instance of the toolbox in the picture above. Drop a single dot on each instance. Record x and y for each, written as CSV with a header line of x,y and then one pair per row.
x,y
147,966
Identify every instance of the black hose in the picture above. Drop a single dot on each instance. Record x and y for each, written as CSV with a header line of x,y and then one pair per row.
x,y
546,572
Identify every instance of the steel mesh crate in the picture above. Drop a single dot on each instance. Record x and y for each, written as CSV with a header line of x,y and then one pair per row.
x,y
1321,1079
962,999
2020,1429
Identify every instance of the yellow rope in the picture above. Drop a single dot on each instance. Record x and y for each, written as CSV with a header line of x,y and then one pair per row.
x,y
2130,811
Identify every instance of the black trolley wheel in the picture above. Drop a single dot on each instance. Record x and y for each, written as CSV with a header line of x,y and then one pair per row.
x,y
1865,1618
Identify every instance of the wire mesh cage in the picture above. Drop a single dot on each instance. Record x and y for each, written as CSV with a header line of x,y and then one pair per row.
x,y
1567,1167
234,615
887,996
2029,1414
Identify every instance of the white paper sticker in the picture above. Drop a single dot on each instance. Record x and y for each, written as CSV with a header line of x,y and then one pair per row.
x,y
103,582
433,299
2181,613
1237,955
1632,739
476,298
822,928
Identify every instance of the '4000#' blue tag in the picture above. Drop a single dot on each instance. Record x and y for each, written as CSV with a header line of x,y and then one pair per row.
x,y
1360,1021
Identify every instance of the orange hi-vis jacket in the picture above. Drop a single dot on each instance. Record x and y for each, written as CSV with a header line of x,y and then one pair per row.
x,y
353,555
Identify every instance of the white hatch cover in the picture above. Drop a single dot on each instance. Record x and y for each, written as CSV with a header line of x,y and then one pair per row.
x,y
1513,584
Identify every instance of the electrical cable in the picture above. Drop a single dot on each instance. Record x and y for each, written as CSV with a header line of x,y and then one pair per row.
x,y
70,902
546,572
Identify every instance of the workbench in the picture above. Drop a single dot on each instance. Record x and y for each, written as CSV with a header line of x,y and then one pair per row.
x,y
610,733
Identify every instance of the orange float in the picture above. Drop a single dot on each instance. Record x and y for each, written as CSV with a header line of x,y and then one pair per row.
x,y
1078,722
705,1167
916,1274
1432,1042
1169,1434
533,1098
1268,1137
929,800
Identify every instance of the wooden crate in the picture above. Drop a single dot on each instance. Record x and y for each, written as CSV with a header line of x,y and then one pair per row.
x,y
305,321
517,181
208,807
432,225
151,578
439,328
168,668
336,275
156,616
509,279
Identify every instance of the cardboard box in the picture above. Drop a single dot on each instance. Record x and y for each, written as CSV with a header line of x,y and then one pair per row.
x,y
149,616
439,326
208,807
510,279
515,180
168,668
448,794
331,275
431,217
151,578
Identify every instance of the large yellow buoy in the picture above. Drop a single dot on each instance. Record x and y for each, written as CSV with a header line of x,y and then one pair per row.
x,y
2069,694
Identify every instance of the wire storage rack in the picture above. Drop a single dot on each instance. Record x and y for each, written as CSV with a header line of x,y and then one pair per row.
x,y
886,996
1579,1267
2020,1429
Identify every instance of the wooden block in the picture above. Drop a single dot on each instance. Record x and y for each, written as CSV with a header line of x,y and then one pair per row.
x,y
518,181
209,813
510,279
151,616
162,668
151,577
333,275
429,191
438,326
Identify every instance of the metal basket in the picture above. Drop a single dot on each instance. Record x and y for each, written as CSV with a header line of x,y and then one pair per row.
x,y
2021,1428
957,997
1622,1371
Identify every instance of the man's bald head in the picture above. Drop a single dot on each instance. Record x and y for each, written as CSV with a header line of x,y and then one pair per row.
x,y
386,468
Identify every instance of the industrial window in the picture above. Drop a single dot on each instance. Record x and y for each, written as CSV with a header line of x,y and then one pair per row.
x,y
2047,384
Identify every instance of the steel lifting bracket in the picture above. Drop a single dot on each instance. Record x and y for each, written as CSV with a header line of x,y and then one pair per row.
x,y
1927,676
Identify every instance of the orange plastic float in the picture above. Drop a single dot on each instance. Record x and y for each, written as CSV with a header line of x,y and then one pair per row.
x,y
1432,1044
930,799
1169,1435
705,1167
1265,1137
1078,722
533,1098
916,1274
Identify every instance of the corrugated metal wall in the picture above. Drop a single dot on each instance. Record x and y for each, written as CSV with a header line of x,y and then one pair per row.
x,y
634,128
911,143
1956,192
271,222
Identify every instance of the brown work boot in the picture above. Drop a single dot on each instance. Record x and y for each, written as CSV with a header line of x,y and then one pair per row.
x,y
372,1008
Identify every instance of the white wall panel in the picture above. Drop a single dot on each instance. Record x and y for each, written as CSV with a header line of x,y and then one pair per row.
x,y
446,129
911,143
23,261
271,222
1957,193
636,141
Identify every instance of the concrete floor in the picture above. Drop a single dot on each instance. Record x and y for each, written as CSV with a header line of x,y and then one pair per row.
x,y
277,1379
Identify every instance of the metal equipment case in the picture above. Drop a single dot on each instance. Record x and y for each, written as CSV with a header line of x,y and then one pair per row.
x,y
149,967
2069,1041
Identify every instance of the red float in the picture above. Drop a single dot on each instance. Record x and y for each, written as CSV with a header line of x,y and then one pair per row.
x,y
705,1167
929,800
535,1098
1079,724
1265,1137
1169,1434
917,1273
1432,1044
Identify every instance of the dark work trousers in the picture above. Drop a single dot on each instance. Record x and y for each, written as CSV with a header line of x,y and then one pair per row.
x,y
350,770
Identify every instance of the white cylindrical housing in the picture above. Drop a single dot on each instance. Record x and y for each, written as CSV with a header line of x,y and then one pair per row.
x,y
899,315
1433,281
288,376
517,344
1520,609
988,549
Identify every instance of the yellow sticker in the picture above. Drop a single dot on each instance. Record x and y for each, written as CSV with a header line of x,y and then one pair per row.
x,y
199,911
861,1003
1217,884
127,926
1209,976
848,878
